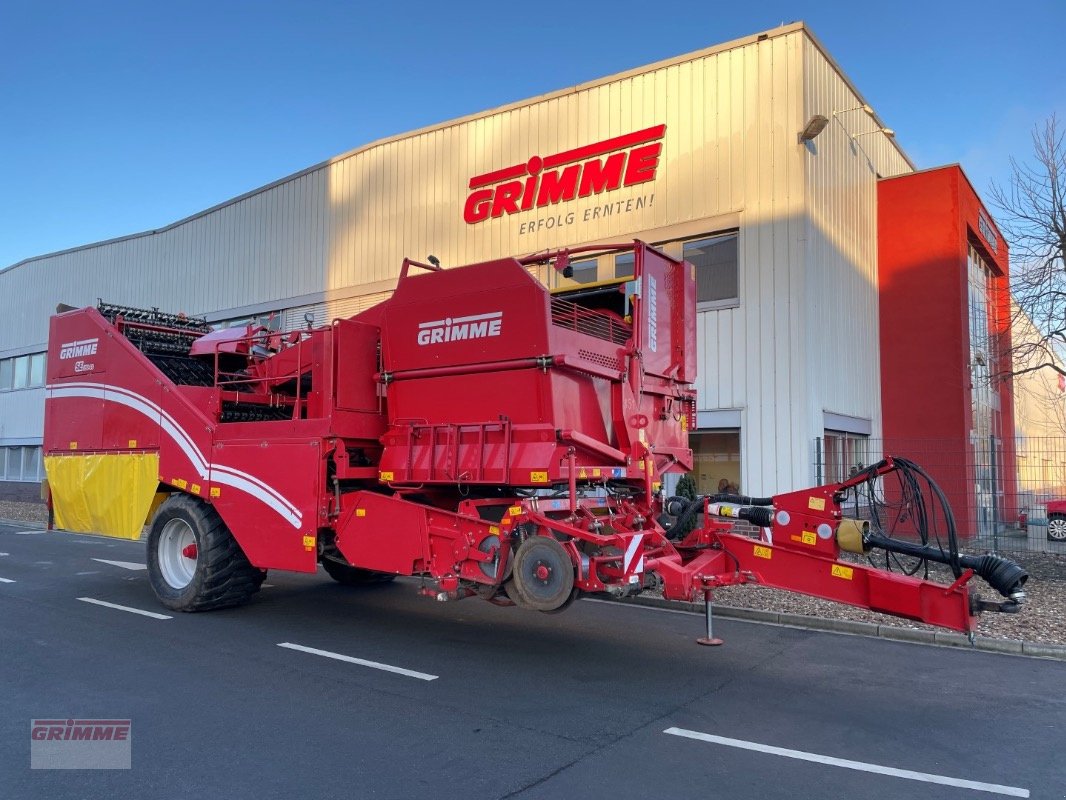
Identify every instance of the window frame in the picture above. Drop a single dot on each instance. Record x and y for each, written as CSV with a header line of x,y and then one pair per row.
x,y
725,302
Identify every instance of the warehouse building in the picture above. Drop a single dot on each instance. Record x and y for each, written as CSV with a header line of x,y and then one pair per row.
x,y
757,160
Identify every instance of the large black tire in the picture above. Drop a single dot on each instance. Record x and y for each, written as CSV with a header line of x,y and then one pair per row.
x,y
218,576
1056,527
348,575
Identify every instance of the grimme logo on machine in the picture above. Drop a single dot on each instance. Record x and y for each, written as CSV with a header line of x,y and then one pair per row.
x,y
84,347
539,182
478,326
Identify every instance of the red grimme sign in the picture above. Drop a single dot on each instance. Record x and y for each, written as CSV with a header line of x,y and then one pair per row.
x,y
592,169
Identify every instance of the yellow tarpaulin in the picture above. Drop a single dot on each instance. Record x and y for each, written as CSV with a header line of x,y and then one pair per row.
x,y
109,494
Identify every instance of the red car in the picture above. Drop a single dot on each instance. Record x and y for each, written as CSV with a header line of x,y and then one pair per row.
x,y
1056,520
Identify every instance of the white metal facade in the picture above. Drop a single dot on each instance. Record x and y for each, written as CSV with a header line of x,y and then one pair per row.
x,y
798,348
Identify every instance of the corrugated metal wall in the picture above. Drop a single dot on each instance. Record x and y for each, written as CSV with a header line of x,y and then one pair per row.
x,y
807,231
841,328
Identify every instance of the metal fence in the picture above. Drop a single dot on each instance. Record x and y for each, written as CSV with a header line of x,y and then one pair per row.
x,y
998,492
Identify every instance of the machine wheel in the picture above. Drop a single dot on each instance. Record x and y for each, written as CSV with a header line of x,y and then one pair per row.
x,y
194,563
353,576
543,577
1056,528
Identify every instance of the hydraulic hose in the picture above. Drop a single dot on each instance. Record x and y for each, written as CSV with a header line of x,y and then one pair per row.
x,y
1002,574
742,500
762,516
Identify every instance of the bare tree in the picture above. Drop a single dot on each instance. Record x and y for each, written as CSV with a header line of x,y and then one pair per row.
x,y
1033,219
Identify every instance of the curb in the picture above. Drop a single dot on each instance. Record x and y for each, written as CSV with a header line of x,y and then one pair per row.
x,y
893,632
38,526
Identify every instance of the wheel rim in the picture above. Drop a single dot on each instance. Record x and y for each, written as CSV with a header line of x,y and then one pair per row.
x,y
544,574
1056,529
177,554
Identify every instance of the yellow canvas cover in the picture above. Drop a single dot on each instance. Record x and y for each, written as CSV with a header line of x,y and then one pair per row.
x,y
106,493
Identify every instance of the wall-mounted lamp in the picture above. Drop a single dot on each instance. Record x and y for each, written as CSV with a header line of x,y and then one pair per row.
x,y
814,126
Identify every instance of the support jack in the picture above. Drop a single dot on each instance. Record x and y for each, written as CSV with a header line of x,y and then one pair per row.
x,y
709,640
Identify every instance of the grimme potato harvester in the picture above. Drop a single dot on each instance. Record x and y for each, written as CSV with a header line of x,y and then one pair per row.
x,y
496,438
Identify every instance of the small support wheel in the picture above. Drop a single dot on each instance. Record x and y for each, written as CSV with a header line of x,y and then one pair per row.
x,y
543,577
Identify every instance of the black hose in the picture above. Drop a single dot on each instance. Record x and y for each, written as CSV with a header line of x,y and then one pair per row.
x,y
1000,573
686,509
742,500
760,516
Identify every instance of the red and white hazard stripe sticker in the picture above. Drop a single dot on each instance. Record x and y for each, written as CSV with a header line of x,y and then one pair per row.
x,y
633,564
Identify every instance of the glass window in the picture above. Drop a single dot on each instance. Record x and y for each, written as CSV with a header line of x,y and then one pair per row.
x,y
7,373
31,460
22,372
715,260
3,463
717,460
14,463
584,271
844,455
623,265
37,369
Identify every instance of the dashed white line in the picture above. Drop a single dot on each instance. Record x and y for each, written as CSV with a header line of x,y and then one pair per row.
x,y
151,614
124,564
926,777
410,673
6,580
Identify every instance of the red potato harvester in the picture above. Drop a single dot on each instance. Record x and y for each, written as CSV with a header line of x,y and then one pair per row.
x,y
476,429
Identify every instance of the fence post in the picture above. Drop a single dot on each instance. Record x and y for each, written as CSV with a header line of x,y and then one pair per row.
x,y
817,460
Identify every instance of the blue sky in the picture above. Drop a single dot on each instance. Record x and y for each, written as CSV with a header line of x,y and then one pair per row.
x,y
119,117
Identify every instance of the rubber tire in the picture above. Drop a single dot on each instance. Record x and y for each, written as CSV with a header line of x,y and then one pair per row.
x,y
541,549
354,576
223,575
1060,528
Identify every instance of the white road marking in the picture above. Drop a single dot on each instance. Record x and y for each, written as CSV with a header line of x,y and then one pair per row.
x,y
90,572
28,533
151,614
410,673
6,580
268,586
123,564
4,554
980,786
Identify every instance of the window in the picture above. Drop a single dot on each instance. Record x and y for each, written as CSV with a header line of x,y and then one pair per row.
x,y
37,369
717,458
22,372
623,265
31,462
584,271
844,454
715,259
14,463
21,464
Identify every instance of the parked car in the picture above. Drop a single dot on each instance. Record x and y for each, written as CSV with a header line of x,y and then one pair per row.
x,y
1056,520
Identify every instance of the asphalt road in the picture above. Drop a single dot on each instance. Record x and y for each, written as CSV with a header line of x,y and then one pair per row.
x,y
520,704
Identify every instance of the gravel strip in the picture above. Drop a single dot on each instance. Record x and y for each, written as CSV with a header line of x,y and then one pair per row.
x,y
1042,618
23,512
